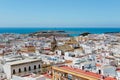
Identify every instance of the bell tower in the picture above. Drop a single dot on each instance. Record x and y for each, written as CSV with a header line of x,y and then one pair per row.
x,y
53,44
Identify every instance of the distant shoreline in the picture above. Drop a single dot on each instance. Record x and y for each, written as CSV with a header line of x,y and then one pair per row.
x,y
73,31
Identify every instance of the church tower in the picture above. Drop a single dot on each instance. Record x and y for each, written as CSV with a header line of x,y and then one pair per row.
x,y
53,44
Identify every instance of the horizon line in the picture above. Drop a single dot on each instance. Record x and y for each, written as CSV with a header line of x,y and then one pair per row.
x,y
60,27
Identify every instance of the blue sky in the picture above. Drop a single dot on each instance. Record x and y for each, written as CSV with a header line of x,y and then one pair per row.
x,y
59,13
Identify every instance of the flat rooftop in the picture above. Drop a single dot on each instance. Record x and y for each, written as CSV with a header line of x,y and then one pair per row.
x,y
22,61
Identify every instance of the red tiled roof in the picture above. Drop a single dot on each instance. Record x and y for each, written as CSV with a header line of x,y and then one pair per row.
x,y
85,73
48,76
2,46
98,65
118,70
110,78
81,71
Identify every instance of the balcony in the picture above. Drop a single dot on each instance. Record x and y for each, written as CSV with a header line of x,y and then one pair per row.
x,y
25,73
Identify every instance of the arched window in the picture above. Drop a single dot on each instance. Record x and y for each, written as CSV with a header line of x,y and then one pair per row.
x,y
39,66
29,68
25,69
34,66
19,70
13,71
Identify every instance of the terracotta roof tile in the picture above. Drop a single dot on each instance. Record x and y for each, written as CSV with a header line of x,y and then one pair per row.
x,y
86,73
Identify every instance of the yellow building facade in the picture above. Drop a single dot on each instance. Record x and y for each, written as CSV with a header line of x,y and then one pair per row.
x,y
70,73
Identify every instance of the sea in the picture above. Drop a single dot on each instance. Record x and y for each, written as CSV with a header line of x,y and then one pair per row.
x,y
73,31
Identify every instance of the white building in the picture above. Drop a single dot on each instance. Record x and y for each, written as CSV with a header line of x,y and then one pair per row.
x,y
22,67
2,74
29,77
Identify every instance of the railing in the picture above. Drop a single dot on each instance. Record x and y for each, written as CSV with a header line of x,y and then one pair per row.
x,y
23,73
75,73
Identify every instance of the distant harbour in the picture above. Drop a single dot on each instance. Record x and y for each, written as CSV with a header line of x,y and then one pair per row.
x,y
72,31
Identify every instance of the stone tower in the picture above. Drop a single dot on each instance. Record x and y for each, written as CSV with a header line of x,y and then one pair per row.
x,y
53,44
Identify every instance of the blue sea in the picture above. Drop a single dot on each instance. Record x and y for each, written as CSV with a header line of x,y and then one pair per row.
x,y
73,31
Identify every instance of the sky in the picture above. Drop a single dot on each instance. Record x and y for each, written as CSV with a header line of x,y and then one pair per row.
x,y
59,13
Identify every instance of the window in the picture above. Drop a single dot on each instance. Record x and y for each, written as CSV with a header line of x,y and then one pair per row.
x,y
19,70
29,68
25,69
34,66
13,71
99,71
39,66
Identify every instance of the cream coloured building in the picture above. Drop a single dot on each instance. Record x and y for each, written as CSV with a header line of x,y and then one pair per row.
x,y
22,67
